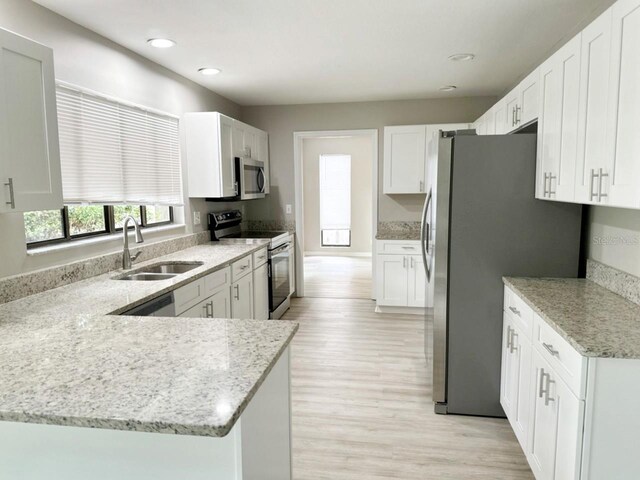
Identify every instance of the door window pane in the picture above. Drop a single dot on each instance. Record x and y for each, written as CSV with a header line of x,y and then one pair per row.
x,y
335,200
121,211
157,214
43,225
336,238
86,219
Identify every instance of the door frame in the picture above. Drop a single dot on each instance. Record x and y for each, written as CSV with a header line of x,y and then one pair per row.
x,y
298,138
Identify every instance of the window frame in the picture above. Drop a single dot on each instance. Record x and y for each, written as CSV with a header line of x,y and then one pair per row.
x,y
110,228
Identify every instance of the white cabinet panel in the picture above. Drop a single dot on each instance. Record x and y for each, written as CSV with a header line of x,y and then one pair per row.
x,y
558,123
528,104
220,303
623,141
417,284
261,292
242,298
29,150
201,310
392,280
500,117
404,159
591,167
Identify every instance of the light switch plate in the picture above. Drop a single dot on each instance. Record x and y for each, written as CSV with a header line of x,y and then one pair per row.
x,y
196,218
288,209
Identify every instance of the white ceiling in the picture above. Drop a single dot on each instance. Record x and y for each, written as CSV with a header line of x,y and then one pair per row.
x,y
315,51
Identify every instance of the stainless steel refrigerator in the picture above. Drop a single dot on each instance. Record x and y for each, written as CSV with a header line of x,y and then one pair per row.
x,y
481,222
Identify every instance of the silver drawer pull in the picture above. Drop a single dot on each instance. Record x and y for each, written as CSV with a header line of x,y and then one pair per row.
x,y
244,267
550,349
408,248
12,197
515,310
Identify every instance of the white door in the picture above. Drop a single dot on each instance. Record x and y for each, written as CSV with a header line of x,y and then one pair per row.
x,y
404,159
527,110
558,123
623,141
261,292
242,298
29,148
227,157
392,278
220,303
591,169
417,282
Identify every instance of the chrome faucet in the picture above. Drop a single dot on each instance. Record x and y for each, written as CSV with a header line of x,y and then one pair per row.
x,y
126,255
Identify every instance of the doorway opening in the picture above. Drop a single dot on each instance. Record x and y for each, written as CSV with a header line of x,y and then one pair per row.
x,y
336,212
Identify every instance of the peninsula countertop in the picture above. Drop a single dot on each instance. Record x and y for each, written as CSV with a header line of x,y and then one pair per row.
x,y
594,320
68,358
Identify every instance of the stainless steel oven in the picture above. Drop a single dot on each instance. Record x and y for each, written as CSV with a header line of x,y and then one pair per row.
x,y
250,174
279,258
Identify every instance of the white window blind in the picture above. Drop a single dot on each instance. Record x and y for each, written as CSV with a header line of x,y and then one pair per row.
x,y
335,200
116,153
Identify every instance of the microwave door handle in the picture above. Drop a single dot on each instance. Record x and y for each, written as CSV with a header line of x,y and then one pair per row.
x,y
261,184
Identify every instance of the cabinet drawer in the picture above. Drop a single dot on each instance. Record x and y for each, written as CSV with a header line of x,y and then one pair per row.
x,y
215,280
519,311
563,358
259,258
240,268
399,248
189,295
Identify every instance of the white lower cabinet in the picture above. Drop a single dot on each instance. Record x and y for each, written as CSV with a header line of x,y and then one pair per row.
x,y
400,275
242,298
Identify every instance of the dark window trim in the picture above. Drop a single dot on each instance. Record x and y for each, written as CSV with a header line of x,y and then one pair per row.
x,y
109,222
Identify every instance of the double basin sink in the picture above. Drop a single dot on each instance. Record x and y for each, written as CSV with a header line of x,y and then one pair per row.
x,y
160,271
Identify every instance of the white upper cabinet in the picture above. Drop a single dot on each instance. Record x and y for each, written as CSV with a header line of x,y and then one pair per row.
x,y
404,159
521,103
623,140
212,143
558,123
29,149
592,166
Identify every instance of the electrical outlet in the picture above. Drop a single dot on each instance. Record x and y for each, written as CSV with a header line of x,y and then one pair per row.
x,y
196,218
288,209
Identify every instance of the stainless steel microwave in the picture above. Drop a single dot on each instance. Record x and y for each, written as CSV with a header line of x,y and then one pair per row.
x,y
251,178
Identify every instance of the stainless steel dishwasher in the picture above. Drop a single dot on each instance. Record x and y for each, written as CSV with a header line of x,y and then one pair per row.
x,y
162,306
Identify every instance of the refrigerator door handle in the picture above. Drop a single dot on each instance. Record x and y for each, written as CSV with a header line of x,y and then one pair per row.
x,y
425,232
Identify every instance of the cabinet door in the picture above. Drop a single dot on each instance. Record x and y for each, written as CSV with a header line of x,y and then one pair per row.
x,y
594,86
521,401
242,298
527,109
558,123
261,292
220,303
392,280
263,156
555,441
623,141
508,378
512,101
500,117
489,122
29,148
227,157
197,311
417,282
404,159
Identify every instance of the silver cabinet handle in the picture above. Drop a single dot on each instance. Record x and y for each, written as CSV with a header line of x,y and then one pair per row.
x,y
513,343
541,384
235,188
515,310
244,267
509,338
551,179
404,262
12,197
513,116
550,349
592,178
237,295
407,248
421,186
210,309
544,188
601,174
518,119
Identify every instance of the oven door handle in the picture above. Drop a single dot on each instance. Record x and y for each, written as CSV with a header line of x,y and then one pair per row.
x,y
278,250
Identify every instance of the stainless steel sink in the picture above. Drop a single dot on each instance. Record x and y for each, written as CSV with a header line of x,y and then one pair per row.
x,y
171,267
160,271
147,276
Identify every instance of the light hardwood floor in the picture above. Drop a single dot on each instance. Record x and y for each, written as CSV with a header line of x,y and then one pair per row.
x,y
337,277
361,400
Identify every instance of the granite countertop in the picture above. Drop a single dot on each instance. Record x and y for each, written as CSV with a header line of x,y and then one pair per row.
x,y
594,320
398,231
67,359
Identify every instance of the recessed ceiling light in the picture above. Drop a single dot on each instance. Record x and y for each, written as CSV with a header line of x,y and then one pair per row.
x,y
448,88
161,42
209,71
462,57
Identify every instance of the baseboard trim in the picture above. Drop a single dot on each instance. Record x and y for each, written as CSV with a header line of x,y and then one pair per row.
x,y
401,310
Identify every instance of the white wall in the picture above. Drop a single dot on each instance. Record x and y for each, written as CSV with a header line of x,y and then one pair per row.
x,y
86,59
361,150
282,121
614,238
